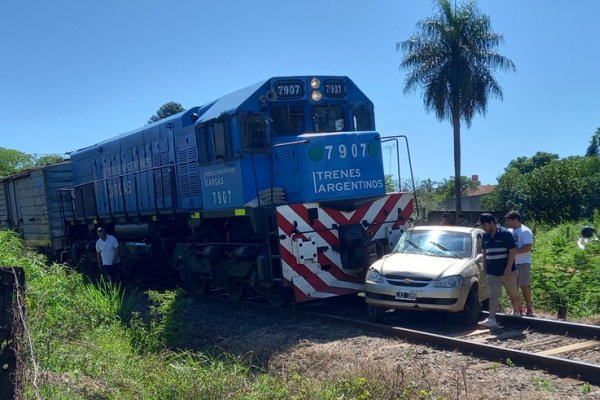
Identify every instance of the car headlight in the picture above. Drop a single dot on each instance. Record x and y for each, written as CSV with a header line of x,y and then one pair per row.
x,y
450,281
374,276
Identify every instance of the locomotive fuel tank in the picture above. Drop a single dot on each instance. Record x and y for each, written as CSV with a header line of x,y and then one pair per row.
x,y
141,230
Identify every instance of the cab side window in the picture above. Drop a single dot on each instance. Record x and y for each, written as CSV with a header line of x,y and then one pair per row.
x,y
362,120
254,135
213,141
220,140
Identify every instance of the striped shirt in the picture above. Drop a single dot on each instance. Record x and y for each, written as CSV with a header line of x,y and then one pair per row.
x,y
497,248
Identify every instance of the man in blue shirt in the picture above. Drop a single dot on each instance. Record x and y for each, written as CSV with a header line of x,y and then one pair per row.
x,y
499,263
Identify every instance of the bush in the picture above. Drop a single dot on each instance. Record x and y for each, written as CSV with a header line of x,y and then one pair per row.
x,y
87,344
563,274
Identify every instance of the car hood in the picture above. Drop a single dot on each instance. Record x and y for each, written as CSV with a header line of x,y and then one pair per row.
x,y
421,265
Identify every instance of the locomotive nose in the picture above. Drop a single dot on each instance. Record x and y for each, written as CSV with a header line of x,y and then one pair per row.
x,y
342,166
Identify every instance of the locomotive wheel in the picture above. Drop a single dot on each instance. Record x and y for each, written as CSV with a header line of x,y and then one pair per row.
x,y
137,273
278,297
197,283
236,290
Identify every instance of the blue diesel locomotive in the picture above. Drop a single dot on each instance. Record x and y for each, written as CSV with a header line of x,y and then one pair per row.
x,y
277,188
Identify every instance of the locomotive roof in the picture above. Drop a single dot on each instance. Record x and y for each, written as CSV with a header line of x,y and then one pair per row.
x,y
230,102
196,109
227,104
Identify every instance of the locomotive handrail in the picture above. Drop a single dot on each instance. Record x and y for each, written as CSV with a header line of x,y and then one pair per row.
x,y
254,174
395,139
120,177
289,143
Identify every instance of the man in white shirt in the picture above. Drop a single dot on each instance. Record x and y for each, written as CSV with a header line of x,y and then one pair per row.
x,y
107,253
524,240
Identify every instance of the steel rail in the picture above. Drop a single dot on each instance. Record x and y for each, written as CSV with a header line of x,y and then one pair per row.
x,y
550,326
554,365
558,366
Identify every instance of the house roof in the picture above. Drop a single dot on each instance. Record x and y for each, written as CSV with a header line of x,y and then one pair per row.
x,y
480,191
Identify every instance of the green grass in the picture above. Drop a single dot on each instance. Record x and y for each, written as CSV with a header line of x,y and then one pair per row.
x,y
562,274
89,343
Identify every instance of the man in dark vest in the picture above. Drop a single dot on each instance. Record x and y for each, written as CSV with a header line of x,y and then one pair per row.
x,y
499,250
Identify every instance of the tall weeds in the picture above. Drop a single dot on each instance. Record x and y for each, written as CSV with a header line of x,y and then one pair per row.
x,y
563,274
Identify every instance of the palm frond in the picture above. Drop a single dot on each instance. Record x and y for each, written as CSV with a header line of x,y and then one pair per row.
x,y
452,58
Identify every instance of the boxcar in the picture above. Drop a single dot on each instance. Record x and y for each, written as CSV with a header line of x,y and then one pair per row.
x,y
30,204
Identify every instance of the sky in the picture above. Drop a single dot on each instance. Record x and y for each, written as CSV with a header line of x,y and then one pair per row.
x,y
74,73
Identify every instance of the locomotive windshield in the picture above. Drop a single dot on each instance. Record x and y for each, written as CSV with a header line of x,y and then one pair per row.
x,y
328,118
287,120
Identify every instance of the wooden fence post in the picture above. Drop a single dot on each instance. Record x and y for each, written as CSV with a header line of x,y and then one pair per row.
x,y
9,276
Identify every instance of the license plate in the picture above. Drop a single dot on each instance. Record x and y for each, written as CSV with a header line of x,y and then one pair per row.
x,y
406,295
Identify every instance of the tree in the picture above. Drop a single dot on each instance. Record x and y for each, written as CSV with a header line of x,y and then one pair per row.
x,y
47,159
166,110
526,164
426,196
391,184
12,161
593,148
560,190
447,190
452,58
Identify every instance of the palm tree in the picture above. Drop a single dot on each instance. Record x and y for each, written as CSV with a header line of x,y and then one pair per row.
x,y
452,57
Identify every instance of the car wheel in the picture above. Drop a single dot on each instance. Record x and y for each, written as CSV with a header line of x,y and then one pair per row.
x,y
375,314
470,313
485,305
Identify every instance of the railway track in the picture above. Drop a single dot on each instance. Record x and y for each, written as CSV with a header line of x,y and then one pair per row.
x,y
562,348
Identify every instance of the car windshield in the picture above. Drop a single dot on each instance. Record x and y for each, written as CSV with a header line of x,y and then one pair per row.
x,y
436,243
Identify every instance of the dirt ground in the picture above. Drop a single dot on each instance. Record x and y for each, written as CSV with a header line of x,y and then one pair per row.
x,y
284,344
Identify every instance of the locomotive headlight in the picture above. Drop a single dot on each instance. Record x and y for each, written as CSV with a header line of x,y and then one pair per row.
x,y
315,83
316,95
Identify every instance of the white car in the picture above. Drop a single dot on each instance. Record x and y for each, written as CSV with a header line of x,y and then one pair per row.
x,y
431,268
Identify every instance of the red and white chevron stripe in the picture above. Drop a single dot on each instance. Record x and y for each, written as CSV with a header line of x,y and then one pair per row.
x,y
309,258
